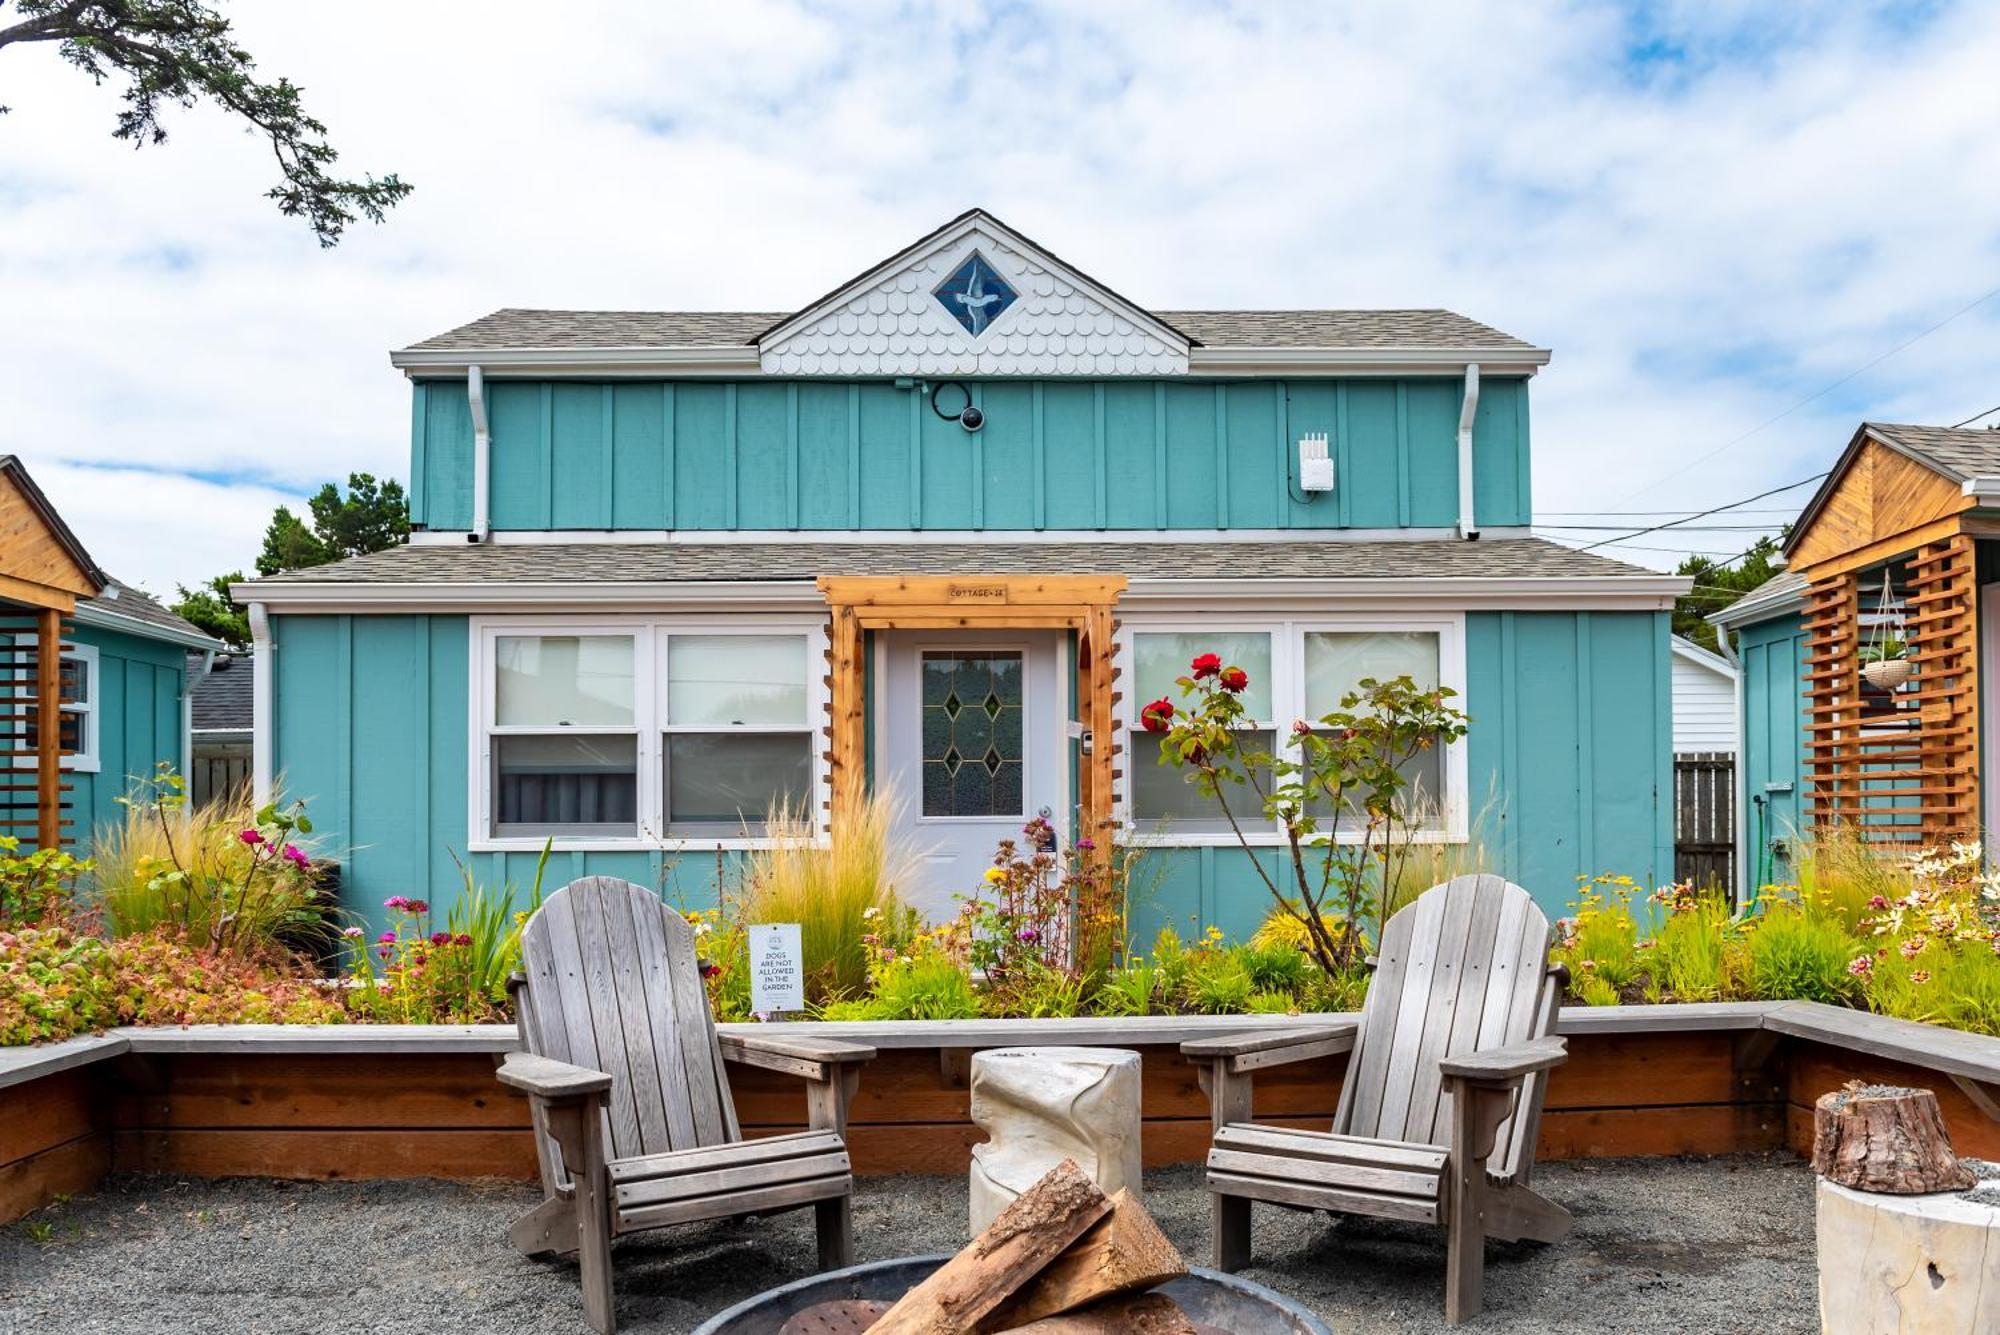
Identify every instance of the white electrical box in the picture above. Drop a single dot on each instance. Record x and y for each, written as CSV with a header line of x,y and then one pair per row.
x,y
1315,465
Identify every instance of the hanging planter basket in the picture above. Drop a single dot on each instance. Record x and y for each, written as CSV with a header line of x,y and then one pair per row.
x,y
1886,674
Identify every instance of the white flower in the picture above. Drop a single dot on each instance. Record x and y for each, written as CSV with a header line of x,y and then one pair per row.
x,y
870,912
702,929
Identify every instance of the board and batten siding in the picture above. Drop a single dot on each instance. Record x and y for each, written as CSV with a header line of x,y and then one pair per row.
x,y
1771,655
1704,704
1569,763
1054,454
140,686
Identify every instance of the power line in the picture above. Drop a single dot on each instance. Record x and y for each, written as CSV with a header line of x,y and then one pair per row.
x,y
1818,394
1649,514
1789,486
1694,528
1976,416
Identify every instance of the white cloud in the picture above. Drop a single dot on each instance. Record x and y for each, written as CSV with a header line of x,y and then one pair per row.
x,y
1706,234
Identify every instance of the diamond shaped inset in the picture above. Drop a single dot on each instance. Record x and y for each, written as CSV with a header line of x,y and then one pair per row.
x,y
952,705
992,762
975,294
952,760
993,706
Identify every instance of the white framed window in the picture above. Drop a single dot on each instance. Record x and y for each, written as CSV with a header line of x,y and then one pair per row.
x,y
81,693
1305,666
641,732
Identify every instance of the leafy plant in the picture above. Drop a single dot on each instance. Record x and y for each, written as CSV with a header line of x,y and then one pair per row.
x,y
1128,990
38,886
1790,955
232,876
1599,942
1688,958
1349,768
1885,650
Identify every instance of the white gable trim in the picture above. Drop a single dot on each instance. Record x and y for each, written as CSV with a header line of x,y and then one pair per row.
x,y
1700,657
889,322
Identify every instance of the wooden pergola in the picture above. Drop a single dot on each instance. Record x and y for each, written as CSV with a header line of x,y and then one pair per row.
x,y
1079,603
1902,768
43,571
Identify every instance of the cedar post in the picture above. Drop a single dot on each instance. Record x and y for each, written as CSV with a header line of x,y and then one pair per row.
x,y
48,730
848,730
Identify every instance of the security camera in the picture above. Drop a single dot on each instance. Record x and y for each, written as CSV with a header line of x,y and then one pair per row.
x,y
971,418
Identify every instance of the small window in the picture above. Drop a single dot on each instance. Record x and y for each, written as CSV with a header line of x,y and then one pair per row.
x,y
78,724
737,742
1338,661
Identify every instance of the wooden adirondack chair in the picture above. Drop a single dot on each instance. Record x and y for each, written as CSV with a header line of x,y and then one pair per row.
x,y
633,1119
1443,1094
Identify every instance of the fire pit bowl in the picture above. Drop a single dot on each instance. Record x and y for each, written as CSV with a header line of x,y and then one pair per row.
x,y
1208,1296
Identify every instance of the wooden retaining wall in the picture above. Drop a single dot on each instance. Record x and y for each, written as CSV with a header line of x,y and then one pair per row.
x,y
1652,1081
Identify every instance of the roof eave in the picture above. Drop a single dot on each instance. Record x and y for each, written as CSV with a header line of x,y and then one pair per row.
x,y
186,637
1366,361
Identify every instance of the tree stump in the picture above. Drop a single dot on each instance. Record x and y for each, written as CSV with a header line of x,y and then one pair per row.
x,y
1885,1138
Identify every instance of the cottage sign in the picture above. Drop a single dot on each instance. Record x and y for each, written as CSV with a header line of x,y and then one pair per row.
x,y
777,969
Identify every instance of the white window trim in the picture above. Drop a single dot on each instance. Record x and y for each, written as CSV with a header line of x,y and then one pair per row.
x,y
1288,694
88,758
648,633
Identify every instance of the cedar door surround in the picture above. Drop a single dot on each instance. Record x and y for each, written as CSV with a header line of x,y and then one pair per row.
x,y
1081,604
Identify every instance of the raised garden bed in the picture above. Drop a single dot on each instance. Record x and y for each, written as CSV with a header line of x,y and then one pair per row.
x,y
384,1101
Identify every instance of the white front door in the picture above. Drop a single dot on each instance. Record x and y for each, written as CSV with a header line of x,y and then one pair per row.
x,y
970,731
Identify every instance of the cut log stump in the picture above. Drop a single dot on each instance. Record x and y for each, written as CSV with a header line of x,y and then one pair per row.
x,y
1885,1138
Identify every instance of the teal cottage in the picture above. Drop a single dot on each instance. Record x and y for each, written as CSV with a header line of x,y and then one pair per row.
x,y
939,534
120,673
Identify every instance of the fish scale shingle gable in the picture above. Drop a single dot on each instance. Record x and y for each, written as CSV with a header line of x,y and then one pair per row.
x,y
522,329
547,563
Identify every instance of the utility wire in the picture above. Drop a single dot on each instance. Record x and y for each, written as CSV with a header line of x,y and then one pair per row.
x,y
1976,416
1676,523
1818,394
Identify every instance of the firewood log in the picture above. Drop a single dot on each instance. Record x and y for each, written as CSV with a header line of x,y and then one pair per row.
x,y
1123,1252
1025,1237
1885,1138
1133,1314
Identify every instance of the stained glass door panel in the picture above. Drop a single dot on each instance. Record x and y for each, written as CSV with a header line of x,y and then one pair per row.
x,y
971,733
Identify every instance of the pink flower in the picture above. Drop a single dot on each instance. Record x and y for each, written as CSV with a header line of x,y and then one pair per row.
x,y
251,837
1086,843
1878,902
1912,947
461,940
1027,936
296,856
387,939
1920,976
440,938
1301,728
1862,967
416,906
351,933
395,902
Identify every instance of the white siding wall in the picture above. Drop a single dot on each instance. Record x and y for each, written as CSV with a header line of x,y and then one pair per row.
x,y
1704,706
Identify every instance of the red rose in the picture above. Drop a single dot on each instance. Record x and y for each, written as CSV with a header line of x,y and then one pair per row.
x,y
1157,716
1207,665
1301,728
1234,679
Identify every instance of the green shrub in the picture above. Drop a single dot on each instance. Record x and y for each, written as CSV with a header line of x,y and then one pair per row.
x,y
1277,968
1219,984
1601,940
1272,1003
1688,959
1792,955
1129,990
1043,993
36,887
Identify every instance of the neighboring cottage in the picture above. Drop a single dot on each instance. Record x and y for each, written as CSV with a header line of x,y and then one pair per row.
x,y
119,684
1704,700
223,721
1893,559
941,533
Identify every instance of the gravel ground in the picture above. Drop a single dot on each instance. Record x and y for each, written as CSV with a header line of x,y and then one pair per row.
x,y
1660,1245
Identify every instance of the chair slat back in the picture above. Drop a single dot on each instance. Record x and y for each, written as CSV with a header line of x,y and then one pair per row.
x,y
1462,969
613,985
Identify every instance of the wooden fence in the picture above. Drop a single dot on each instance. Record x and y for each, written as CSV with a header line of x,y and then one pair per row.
x,y
1705,819
218,769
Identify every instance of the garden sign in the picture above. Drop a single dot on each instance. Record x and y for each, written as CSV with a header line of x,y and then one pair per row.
x,y
777,971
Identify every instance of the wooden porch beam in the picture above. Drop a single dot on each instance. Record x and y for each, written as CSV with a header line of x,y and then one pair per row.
x,y
48,729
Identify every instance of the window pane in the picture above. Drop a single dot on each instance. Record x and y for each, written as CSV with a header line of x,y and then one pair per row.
x,y
571,785
1159,658
971,734
75,682
1421,803
731,680
725,783
1336,662
554,680
1165,796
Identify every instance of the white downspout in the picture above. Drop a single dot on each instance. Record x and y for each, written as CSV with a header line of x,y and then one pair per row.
x,y
1467,529
482,451
261,702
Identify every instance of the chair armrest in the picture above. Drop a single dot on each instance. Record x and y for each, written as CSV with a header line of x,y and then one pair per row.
x,y
803,1047
1279,1047
1508,1065
547,1078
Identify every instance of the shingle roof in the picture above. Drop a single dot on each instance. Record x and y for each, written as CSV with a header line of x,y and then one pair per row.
x,y
120,599
516,328
1774,597
1958,452
222,701
1508,558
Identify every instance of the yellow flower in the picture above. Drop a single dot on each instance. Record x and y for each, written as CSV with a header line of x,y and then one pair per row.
x,y
995,875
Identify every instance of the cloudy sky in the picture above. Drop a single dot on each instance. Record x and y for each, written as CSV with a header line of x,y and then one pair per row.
x,y
1742,227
